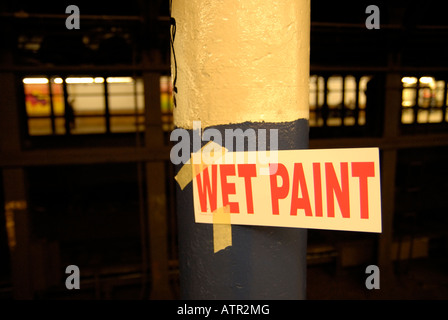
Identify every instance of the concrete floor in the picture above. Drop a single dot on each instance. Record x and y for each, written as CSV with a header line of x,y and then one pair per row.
x,y
420,279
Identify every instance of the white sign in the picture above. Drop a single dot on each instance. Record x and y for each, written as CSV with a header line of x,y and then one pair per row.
x,y
337,189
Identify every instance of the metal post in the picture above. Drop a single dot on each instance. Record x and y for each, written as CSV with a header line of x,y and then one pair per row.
x,y
155,191
241,64
15,192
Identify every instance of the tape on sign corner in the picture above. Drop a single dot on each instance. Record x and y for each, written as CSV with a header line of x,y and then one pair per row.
x,y
222,229
184,176
188,171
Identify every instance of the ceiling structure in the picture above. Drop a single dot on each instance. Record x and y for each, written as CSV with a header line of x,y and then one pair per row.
x,y
37,33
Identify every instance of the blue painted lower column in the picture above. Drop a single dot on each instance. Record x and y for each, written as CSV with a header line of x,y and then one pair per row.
x,y
263,262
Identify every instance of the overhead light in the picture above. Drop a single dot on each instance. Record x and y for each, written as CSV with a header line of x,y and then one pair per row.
x,y
73,80
35,80
409,80
119,79
426,80
79,80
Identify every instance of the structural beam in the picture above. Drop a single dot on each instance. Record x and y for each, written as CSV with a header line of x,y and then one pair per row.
x,y
15,192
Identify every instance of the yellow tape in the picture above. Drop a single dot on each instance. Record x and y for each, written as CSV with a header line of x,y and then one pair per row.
x,y
222,229
184,176
187,173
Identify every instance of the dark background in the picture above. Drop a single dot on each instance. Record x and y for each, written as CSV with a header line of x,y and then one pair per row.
x,y
94,200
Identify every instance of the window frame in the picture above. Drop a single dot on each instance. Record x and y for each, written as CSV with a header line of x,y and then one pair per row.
x,y
137,113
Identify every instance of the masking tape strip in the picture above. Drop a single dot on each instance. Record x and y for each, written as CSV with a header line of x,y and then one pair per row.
x,y
222,229
187,173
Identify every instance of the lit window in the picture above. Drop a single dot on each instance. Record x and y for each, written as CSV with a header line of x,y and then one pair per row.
x,y
85,109
126,104
38,105
90,105
423,100
337,100
166,101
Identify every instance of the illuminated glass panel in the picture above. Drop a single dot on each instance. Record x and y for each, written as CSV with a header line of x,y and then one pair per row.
x,y
423,100
37,96
125,95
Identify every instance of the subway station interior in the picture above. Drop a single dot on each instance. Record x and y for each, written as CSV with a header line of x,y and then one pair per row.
x,y
85,170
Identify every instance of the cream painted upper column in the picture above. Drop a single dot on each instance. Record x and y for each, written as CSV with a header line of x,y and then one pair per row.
x,y
241,60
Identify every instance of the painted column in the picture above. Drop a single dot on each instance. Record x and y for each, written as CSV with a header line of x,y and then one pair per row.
x,y
241,64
